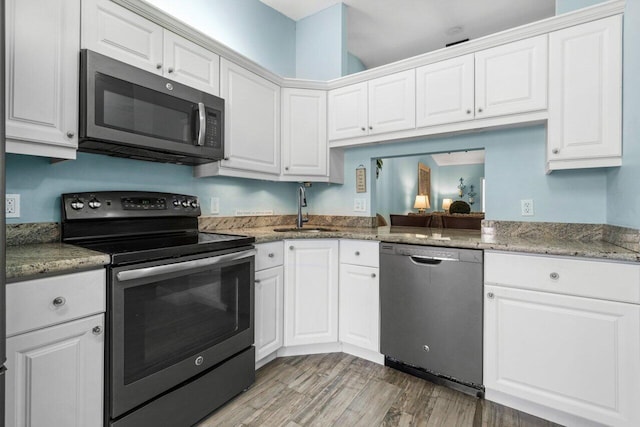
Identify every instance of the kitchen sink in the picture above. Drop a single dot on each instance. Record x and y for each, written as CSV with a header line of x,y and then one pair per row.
x,y
304,229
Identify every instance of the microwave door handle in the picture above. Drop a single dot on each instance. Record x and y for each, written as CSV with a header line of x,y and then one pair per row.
x,y
142,273
202,115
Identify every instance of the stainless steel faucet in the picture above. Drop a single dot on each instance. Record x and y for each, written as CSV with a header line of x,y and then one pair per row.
x,y
302,203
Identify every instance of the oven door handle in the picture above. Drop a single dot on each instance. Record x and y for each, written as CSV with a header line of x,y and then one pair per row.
x,y
142,273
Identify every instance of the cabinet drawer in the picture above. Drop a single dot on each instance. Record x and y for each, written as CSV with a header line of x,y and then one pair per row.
x,y
269,255
30,304
360,252
571,276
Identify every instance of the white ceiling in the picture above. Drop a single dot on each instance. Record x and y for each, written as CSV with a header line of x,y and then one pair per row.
x,y
384,31
459,158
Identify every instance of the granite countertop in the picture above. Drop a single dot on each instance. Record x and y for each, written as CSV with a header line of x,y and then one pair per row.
x,y
466,239
33,260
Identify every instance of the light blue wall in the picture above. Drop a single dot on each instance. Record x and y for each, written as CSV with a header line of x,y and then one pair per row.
x,y
623,207
514,170
321,44
40,184
247,26
564,6
449,179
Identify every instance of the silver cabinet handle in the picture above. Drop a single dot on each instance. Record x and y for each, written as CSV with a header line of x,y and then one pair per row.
x,y
203,123
143,273
480,110
97,330
226,158
554,276
286,168
490,295
370,127
170,70
257,281
469,111
363,129
59,301
426,348
555,151
373,275
159,65
271,255
357,253
291,248
70,134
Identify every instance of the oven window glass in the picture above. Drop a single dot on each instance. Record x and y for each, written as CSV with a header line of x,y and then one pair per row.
x,y
135,109
169,320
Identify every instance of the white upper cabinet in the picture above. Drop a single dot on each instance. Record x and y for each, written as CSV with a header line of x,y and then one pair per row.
x,y
585,95
348,116
385,104
304,132
392,102
190,64
511,78
444,92
112,30
42,65
252,124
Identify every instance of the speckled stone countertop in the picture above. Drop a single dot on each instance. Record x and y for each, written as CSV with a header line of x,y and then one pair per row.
x,y
33,260
467,239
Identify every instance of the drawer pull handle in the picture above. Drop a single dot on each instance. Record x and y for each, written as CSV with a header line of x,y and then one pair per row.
x,y
97,330
490,295
357,253
59,301
554,276
271,255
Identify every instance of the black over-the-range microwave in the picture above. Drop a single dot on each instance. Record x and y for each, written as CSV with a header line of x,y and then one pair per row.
x,y
129,112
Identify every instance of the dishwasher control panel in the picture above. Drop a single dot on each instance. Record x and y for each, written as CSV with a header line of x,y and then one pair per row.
x,y
431,252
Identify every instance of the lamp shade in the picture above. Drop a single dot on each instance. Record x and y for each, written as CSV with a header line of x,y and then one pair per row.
x,y
446,203
422,202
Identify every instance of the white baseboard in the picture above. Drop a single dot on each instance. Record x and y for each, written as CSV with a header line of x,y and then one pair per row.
x,y
363,353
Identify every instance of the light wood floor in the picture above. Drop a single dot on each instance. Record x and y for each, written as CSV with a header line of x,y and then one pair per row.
x,y
343,390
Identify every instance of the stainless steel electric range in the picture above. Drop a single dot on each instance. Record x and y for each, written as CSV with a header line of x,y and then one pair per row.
x,y
179,305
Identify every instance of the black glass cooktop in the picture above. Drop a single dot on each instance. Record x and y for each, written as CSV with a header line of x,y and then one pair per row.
x,y
164,246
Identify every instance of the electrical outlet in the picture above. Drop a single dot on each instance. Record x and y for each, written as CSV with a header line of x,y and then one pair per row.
x,y
359,205
12,206
526,206
215,205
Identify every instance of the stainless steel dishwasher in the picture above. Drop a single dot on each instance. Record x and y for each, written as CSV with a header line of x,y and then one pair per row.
x,y
431,313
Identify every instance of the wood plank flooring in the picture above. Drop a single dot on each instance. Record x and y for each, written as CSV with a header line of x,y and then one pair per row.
x,y
343,390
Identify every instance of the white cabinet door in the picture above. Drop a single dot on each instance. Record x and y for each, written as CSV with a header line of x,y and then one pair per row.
x,y
252,124
304,132
269,311
360,306
311,292
577,355
444,91
512,78
392,102
55,375
585,95
112,30
190,64
42,66
348,115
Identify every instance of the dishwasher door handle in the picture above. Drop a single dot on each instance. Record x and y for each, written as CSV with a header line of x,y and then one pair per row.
x,y
427,260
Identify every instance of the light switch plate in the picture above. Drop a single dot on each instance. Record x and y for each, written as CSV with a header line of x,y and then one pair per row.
x,y
215,205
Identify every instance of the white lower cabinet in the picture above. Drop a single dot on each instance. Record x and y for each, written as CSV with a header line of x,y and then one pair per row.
x,y
269,300
310,292
360,298
55,351
568,358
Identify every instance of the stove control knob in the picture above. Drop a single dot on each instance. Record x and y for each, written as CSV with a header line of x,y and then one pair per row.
x,y
185,203
77,204
176,203
194,204
94,203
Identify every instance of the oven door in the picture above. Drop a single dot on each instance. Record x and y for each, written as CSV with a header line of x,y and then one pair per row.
x,y
172,321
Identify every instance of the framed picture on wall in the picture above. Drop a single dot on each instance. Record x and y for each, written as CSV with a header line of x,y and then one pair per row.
x,y
424,180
